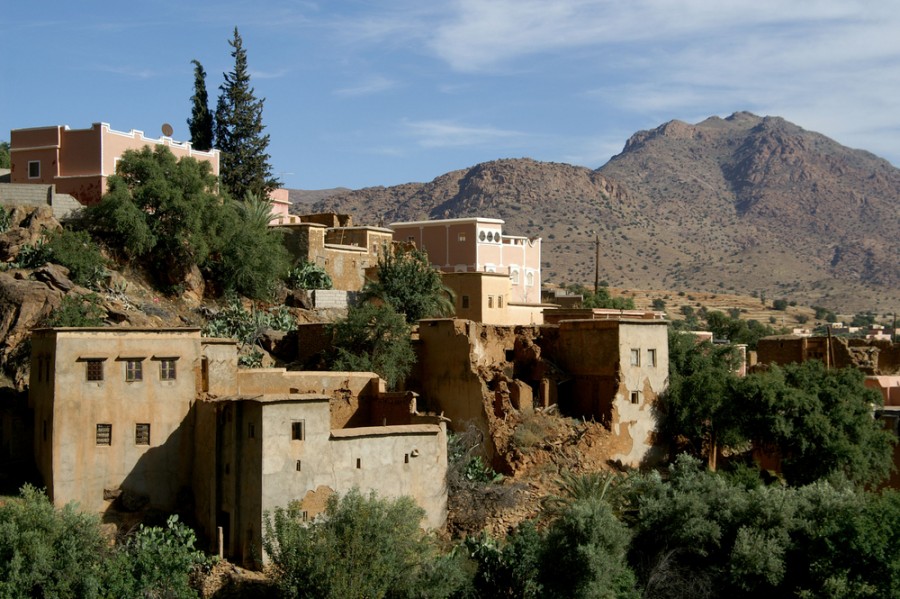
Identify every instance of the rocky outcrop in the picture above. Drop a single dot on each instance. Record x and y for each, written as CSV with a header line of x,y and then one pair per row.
x,y
27,228
23,305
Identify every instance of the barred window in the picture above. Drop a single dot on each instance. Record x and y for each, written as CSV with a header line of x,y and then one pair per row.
x,y
104,434
142,434
94,370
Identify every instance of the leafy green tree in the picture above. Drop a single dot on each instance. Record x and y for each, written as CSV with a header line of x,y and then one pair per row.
x,y
45,552
373,338
4,154
780,304
363,546
201,122
819,421
239,131
408,282
601,299
155,562
697,412
737,330
510,568
589,544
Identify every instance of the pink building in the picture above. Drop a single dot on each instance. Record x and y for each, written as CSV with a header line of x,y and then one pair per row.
x,y
479,245
78,161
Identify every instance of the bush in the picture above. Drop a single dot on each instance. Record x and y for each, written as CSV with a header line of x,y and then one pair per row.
x,y
408,283
234,322
77,311
77,251
362,546
780,304
308,276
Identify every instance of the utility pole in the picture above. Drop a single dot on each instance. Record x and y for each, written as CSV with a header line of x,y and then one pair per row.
x,y
597,264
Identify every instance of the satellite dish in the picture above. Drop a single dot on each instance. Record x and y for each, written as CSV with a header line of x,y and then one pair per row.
x,y
167,130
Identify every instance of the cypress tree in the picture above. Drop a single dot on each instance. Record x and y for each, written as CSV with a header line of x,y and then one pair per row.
x,y
239,132
201,121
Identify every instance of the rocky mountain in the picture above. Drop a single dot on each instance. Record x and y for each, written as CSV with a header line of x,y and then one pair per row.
x,y
745,204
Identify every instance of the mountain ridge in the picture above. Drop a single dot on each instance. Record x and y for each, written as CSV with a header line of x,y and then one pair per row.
x,y
743,203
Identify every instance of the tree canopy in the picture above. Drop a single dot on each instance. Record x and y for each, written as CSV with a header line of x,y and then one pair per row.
x,y
239,131
201,122
408,282
4,154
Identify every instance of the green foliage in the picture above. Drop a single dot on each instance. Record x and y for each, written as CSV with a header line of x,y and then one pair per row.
x,y
863,319
780,304
4,219
201,122
697,535
508,569
45,552
737,330
33,256
4,154
77,311
373,338
602,298
818,420
165,212
589,544
239,131
364,546
236,322
659,304
156,562
308,276
696,411
77,251
407,281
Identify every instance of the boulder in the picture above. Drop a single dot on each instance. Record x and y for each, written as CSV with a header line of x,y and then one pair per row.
x,y
23,305
54,275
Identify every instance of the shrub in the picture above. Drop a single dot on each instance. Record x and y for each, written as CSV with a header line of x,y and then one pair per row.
x,y
408,283
77,251
780,304
77,311
308,276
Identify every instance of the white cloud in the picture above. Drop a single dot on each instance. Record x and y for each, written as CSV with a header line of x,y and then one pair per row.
x,y
276,74
445,134
372,85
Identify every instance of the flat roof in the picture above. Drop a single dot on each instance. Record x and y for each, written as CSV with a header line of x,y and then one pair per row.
x,y
384,431
447,221
119,329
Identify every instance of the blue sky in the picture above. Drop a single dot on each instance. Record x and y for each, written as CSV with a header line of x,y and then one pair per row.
x,y
362,93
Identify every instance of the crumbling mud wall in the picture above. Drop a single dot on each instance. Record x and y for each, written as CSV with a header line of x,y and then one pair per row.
x,y
494,376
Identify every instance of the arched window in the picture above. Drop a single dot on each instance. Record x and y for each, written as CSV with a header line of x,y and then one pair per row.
x,y
514,276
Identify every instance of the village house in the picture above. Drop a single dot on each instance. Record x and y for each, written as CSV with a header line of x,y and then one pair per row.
x,y
495,278
165,418
79,161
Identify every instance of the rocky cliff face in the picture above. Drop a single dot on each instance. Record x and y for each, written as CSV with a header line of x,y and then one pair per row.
x,y
741,204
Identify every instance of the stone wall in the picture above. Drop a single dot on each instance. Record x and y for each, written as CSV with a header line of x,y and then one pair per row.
x,y
33,195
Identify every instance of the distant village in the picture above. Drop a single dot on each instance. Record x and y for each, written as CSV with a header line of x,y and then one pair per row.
x,y
165,417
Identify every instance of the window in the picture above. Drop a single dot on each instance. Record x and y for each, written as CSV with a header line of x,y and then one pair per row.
x,y
251,430
299,466
482,236
104,434
529,279
411,239
465,302
651,358
142,434
514,276
499,301
95,370
461,237
34,169
167,369
134,370
358,463
635,397
297,430
635,357
490,301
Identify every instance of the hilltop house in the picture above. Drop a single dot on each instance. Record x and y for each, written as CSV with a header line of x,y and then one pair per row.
x,y
163,417
79,161
496,278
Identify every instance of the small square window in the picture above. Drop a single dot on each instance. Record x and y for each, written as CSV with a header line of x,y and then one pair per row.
x,y
134,370
34,169
461,237
297,430
465,302
635,397
635,357
95,370
167,370
651,358
104,434
142,434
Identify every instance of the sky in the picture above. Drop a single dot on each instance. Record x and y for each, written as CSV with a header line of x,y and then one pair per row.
x,y
383,92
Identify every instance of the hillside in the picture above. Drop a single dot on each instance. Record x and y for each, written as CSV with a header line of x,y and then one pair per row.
x,y
740,205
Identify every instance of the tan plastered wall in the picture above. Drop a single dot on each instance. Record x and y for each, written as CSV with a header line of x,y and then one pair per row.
x,y
259,381
81,469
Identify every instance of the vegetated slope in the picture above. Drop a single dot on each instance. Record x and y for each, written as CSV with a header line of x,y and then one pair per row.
x,y
744,204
